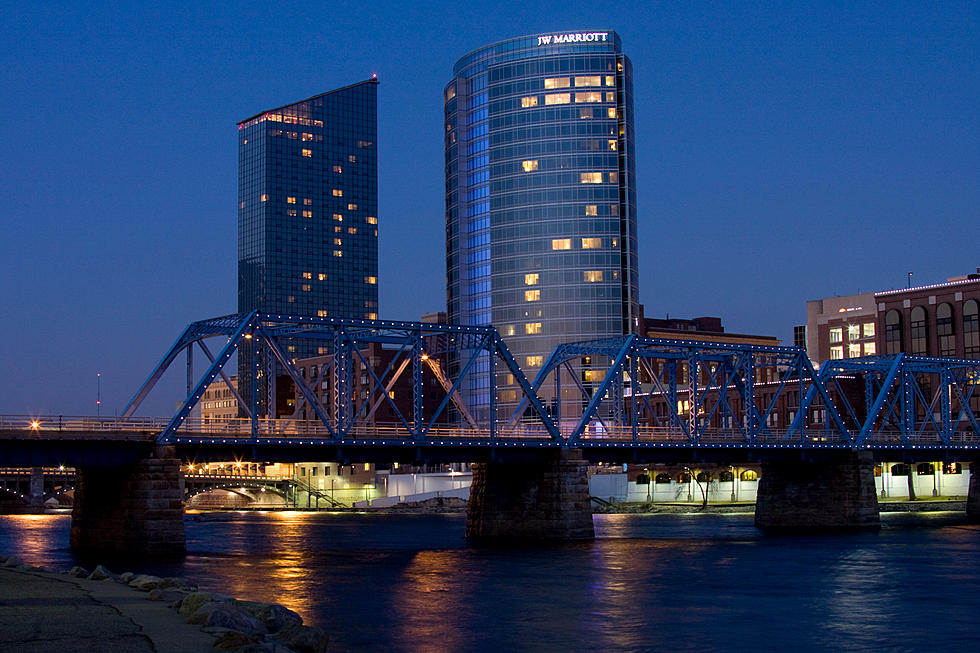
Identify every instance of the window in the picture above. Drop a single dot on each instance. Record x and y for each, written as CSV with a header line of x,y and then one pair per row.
x,y
869,329
321,277
307,287
612,144
610,80
337,241
290,200
264,197
352,207
591,209
352,230
338,253
837,335
291,212
870,349
307,137
944,330
371,220
532,295
531,101
591,243
307,201
592,276
584,114
307,275
593,80
853,332
558,98
371,280
971,328
532,328
590,177
613,177
338,217
351,158
534,361
307,214
374,316
338,169
854,350
952,468
529,165
531,279
893,332
836,353
307,153
917,332
322,313
611,112
557,82
610,96
337,192
749,475
588,96
561,243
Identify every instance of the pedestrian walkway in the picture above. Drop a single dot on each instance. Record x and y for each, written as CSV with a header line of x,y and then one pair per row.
x,y
42,612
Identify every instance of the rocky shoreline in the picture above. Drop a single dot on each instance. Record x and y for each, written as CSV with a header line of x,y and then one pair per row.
x,y
234,624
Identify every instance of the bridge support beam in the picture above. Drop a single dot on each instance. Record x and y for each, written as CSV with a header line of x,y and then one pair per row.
x,y
973,498
547,499
134,510
35,497
833,492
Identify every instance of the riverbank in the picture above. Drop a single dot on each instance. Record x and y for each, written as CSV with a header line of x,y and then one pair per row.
x,y
937,505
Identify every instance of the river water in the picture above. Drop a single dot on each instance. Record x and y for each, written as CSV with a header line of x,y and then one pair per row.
x,y
703,582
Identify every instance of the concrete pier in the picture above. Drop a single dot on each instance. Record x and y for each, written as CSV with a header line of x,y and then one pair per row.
x,y
548,499
835,491
973,498
36,493
132,510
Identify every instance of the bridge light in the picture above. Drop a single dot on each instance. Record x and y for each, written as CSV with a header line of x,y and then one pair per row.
x,y
35,425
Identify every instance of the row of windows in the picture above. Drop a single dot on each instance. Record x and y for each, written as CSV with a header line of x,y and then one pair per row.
x,y
945,330
853,332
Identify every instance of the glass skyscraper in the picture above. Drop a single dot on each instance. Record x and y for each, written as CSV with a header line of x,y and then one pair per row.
x,y
540,195
308,207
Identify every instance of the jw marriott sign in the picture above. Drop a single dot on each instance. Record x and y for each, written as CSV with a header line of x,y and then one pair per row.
x,y
575,37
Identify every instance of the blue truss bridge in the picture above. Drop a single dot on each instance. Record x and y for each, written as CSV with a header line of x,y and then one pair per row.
x,y
646,399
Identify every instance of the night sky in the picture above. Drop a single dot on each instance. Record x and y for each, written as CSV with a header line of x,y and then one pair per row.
x,y
784,153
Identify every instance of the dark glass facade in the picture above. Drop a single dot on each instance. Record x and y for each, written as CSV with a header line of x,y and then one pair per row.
x,y
308,207
540,193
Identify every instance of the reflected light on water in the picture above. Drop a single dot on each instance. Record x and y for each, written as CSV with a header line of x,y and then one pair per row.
x,y
426,601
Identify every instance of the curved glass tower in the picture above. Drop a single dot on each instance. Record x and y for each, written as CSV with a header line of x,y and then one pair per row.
x,y
540,195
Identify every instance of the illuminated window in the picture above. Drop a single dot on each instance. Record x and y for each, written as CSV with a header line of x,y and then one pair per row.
x,y
374,316
321,277
837,335
291,299
307,137
557,82
351,158
307,201
290,200
612,144
307,275
307,214
592,276
594,80
371,220
558,98
591,243
529,101
307,153
338,229
854,351
611,112
371,280
590,177
584,114
534,361
591,209
241,205
307,287
529,165
291,212
610,96
338,169
352,230
613,177
869,349
610,80
336,241
869,329
352,207
588,96
532,328
836,353
338,253
561,243
338,217
451,92
263,197
508,330
531,279
532,295
322,313
853,332
337,192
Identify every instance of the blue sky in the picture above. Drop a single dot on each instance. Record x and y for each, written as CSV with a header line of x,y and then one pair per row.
x,y
785,151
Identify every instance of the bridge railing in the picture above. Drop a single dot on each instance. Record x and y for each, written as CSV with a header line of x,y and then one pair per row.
x,y
81,424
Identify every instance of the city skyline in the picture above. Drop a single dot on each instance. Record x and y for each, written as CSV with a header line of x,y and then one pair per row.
x,y
842,144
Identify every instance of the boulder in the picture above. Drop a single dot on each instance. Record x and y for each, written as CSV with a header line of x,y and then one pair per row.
x,y
101,573
176,583
145,582
226,615
233,640
271,615
126,576
78,572
304,639
194,600
169,595
11,562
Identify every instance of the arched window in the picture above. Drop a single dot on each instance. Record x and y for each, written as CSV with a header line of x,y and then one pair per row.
x,y
893,332
683,477
704,477
662,478
749,475
944,330
726,477
952,468
971,328
643,479
900,469
918,332
925,469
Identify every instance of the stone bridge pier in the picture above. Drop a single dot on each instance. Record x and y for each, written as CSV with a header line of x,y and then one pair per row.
x,y
973,499
836,490
130,510
545,499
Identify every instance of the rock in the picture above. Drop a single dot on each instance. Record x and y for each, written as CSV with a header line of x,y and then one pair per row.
x,y
272,615
304,639
169,595
78,572
126,576
101,573
11,562
176,583
24,568
226,615
193,601
233,640
145,582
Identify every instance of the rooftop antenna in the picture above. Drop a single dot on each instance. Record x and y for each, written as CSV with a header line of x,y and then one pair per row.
x,y
98,394
910,281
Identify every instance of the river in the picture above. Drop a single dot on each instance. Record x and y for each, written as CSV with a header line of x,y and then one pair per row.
x,y
647,582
